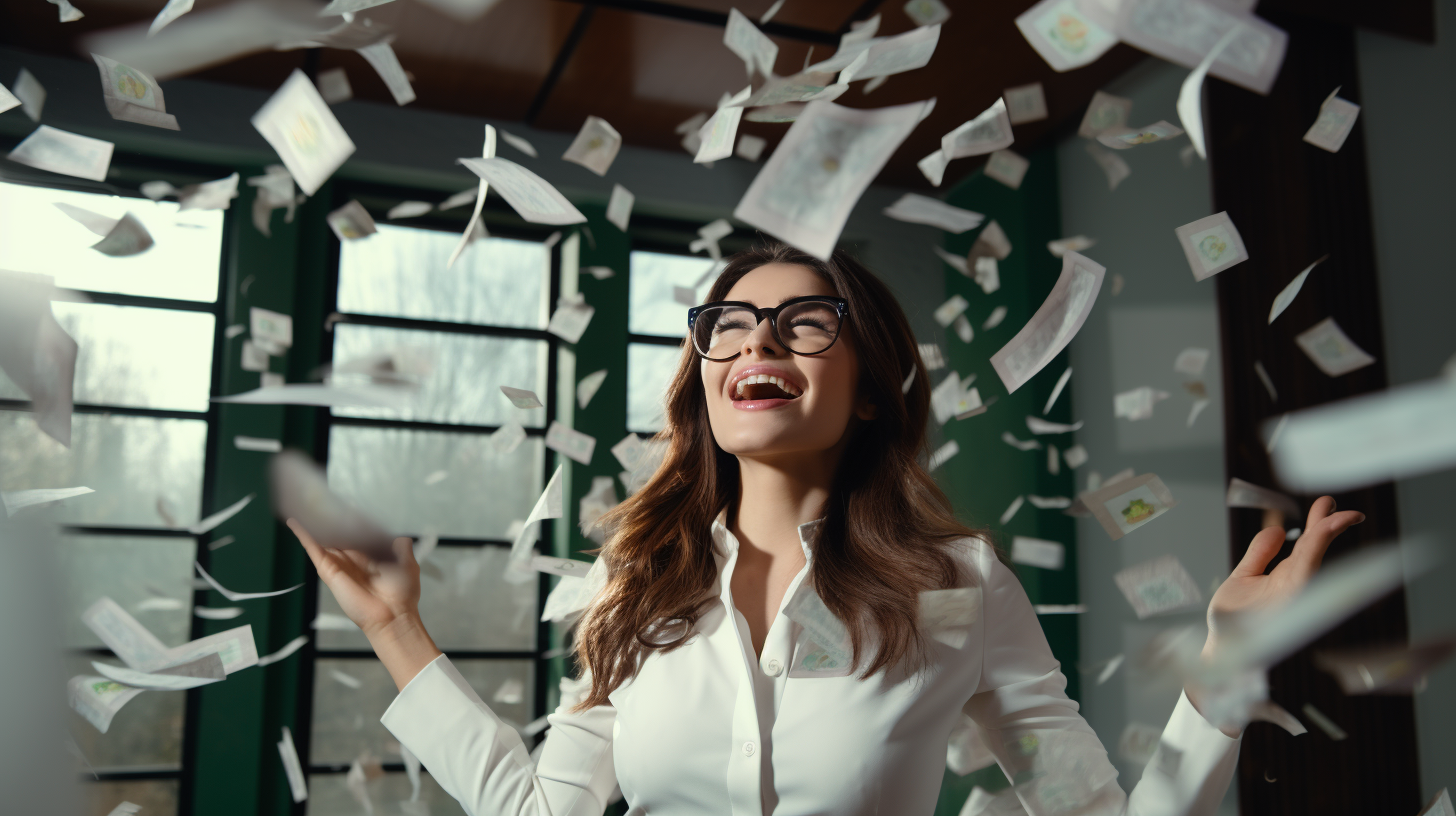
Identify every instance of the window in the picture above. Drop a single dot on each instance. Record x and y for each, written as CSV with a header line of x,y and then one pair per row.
x,y
661,286
434,468
146,328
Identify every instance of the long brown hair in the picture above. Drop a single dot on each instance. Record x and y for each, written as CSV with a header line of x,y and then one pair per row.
x,y
886,527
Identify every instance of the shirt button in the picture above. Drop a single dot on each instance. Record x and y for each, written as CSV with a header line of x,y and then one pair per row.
x,y
749,748
772,667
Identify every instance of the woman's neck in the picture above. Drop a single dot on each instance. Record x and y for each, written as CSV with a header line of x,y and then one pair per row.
x,y
775,497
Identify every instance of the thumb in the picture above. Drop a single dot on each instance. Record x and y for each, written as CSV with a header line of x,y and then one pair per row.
x,y
1260,552
404,551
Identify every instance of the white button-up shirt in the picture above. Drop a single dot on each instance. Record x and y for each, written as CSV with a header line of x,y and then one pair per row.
x,y
710,729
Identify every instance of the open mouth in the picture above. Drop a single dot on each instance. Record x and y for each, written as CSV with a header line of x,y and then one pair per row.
x,y
764,387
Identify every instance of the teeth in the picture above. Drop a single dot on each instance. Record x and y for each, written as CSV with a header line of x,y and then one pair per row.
x,y
756,379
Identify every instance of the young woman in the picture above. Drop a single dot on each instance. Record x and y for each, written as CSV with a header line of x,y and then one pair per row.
x,y
756,645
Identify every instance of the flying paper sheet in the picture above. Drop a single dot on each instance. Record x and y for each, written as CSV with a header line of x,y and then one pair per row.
x,y
1123,138
1049,502
1063,34
1191,361
927,12
758,52
213,521
1185,31
549,506
334,87
275,191
574,444
1111,163
300,491
588,386
528,194
750,147
1396,669
1287,295
595,147
133,96
1393,434
18,500
36,353
1190,95
1037,552
955,261
1053,325
297,122
1010,512
1105,112
619,208
1138,403
518,143
7,100
98,699
70,154
919,209
948,311
806,190
571,318
408,209
287,650
240,596
322,395
382,57
1057,392
351,222
68,14
1336,119
1025,103
963,329
169,12
1158,586
1243,494
1329,348
1037,425
201,672
1127,504
1007,167
1010,439
120,237
1211,245
942,454
893,55
31,93
933,167
1075,456
988,132
1076,243
124,635
471,226
297,784
718,134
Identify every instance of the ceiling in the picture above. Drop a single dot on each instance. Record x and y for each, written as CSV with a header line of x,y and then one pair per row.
x,y
644,66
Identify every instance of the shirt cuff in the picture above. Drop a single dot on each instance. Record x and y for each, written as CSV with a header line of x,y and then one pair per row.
x,y
431,704
1187,728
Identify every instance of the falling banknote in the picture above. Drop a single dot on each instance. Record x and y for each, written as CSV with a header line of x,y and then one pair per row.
x,y
1054,324
1211,245
1158,586
595,147
300,126
1063,34
133,96
1336,120
1329,348
1126,505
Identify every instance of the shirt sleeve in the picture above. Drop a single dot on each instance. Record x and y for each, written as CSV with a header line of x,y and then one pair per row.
x,y
480,760
1053,758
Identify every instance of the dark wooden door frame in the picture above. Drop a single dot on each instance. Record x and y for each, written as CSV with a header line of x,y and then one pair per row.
x,y
1293,203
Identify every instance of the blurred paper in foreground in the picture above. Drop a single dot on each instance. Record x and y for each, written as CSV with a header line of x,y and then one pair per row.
x,y
301,492
1054,324
300,126
69,154
36,353
1388,670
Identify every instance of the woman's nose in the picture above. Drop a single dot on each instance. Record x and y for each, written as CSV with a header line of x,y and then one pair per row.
x,y
761,341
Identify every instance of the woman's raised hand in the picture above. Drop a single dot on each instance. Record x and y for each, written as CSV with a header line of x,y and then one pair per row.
x,y
373,594
1248,589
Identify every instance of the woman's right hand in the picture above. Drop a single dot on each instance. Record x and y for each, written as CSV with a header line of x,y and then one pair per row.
x,y
373,594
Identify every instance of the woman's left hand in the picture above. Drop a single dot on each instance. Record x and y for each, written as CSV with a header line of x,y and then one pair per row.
x,y
1248,589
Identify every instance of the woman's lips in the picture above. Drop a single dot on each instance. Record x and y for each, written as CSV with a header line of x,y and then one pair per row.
x,y
760,405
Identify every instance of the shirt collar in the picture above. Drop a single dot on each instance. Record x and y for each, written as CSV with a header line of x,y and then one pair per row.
x,y
726,544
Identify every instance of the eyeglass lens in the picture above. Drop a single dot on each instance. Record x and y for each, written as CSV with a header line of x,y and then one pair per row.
x,y
805,328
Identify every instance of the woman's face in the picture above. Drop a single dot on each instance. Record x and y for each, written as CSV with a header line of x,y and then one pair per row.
x,y
759,420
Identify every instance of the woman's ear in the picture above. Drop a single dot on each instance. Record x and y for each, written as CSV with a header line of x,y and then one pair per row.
x,y
866,410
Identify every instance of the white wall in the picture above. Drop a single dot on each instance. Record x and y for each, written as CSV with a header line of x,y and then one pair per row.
x,y
1409,116
417,147
1131,340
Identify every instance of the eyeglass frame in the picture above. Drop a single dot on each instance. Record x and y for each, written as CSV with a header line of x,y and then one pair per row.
x,y
772,313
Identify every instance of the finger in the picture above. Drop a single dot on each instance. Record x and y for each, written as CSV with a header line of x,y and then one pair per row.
x,y
1260,552
1309,550
315,552
1321,509
404,550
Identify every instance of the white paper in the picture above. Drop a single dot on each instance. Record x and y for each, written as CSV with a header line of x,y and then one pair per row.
x,y
322,395
169,12
1057,392
18,500
297,122
588,386
1054,324
1191,361
1111,163
570,319
31,93
1329,348
382,57
528,194
1287,295
572,443
1007,167
1010,512
919,209
213,521
1063,35
1158,586
1049,502
595,147
351,222
1336,120
619,207
288,649
988,132
1190,95
1026,445
1037,425
1185,31
1105,112
1137,404
1211,245
521,398
1037,552
59,151
98,699
240,596
1075,456
942,454
222,613
133,96
549,505
518,143
1025,103
806,190
718,135
7,100
758,52
297,784
334,87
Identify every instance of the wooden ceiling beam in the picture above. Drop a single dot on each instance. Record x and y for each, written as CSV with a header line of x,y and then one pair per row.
x,y
573,39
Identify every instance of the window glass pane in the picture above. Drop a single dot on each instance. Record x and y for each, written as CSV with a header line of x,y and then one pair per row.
x,y
653,309
35,236
145,733
394,473
136,357
129,570
649,370
346,720
158,797
328,796
464,603
400,271
133,464
467,371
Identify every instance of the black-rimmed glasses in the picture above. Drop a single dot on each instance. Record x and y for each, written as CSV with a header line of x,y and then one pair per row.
x,y
804,325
